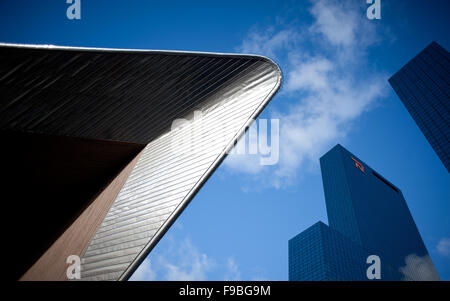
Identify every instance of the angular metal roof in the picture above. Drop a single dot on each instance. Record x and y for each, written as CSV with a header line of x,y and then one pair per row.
x,y
109,94
134,96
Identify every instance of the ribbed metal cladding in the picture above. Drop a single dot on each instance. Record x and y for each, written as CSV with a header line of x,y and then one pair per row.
x,y
169,171
134,96
130,96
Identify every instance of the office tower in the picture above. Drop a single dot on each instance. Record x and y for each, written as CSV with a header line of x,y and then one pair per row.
x,y
367,215
104,148
423,87
321,253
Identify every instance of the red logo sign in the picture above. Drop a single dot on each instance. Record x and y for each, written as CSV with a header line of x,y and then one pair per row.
x,y
358,165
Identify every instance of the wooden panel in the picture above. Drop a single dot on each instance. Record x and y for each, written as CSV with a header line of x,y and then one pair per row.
x,y
52,265
51,181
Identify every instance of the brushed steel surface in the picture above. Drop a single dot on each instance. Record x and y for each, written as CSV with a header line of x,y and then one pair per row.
x,y
134,96
167,175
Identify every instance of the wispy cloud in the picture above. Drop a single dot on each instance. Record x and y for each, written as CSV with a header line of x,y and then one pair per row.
x,y
443,247
327,84
190,264
269,42
144,272
419,269
233,272
335,22
179,259
246,163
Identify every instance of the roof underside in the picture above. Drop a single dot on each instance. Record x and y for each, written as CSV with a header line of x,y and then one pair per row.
x,y
111,95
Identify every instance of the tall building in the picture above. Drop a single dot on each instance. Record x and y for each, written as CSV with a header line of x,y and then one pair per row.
x,y
423,87
104,148
367,215
321,253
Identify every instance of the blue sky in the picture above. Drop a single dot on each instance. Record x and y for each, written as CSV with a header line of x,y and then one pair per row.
x,y
335,64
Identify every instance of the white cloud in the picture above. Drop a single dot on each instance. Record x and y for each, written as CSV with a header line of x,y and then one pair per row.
x,y
322,117
443,247
144,272
245,162
178,259
326,81
336,22
268,42
419,269
233,273
188,264
309,74
343,25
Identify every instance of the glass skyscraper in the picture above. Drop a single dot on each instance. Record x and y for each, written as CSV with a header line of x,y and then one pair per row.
x,y
367,215
321,253
423,87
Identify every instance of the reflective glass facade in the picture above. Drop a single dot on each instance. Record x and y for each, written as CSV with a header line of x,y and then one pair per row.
x,y
367,215
323,254
423,87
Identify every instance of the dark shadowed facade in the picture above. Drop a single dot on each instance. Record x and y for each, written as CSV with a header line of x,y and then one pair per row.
x,y
96,167
423,85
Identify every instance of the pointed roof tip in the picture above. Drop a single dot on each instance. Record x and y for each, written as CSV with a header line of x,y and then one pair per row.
x,y
336,146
